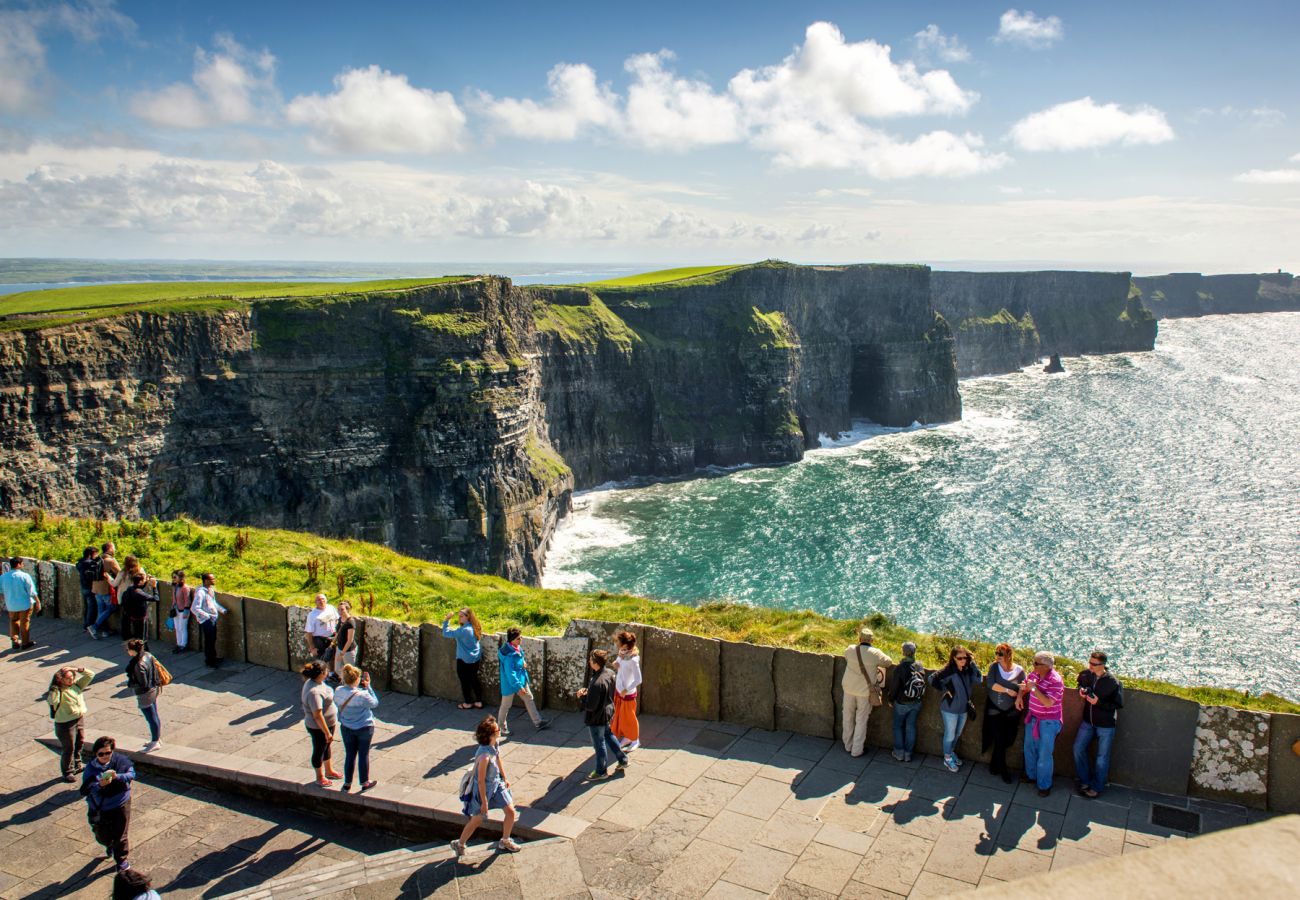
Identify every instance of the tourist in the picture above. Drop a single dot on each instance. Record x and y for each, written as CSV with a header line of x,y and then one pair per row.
x,y
906,691
206,611
468,635
628,666
20,601
322,622
182,595
485,787
105,598
1102,699
320,717
145,680
515,682
956,683
1001,719
68,710
132,884
864,676
106,785
88,568
597,700
133,604
345,640
1042,692
356,701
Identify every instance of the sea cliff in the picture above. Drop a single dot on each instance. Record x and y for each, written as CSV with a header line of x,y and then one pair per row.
x,y
1184,294
1003,321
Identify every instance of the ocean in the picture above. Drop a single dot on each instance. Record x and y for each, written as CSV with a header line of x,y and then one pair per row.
x,y
1147,504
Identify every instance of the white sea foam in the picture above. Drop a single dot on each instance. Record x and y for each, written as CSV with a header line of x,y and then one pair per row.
x,y
578,533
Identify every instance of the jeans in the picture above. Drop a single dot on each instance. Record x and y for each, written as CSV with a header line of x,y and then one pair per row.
x,y
1038,751
953,723
89,608
1096,778
356,752
105,604
155,724
905,725
209,631
602,738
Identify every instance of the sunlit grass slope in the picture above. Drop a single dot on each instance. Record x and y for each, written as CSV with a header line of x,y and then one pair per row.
x,y
273,565
663,276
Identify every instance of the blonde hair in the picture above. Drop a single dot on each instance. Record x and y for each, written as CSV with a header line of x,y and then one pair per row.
x,y
351,675
473,621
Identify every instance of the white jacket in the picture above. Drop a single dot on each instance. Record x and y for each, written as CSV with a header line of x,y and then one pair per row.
x,y
629,674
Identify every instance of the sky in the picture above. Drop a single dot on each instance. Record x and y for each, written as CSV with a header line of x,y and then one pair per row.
x,y
1124,135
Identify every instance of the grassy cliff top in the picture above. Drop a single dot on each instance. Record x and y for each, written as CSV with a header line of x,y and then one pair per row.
x,y
272,564
39,309
664,276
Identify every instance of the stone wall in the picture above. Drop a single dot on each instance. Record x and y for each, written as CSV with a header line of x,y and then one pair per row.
x,y
1164,743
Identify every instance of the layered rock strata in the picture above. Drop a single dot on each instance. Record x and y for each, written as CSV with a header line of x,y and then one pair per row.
x,y
1187,294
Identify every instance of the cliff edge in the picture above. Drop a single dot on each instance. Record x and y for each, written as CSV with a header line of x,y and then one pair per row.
x,y
1187,294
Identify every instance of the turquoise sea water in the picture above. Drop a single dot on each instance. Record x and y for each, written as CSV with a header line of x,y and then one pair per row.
x,y
1146,503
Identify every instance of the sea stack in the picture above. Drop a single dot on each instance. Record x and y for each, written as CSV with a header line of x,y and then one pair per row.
x,y
1054,366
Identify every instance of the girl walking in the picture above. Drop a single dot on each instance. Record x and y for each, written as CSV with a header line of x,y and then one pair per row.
x,y
356,702
486,787
68,709
628,666
144,677
956,681
468,635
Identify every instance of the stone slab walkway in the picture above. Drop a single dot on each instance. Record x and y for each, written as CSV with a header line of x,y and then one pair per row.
x,y
707,809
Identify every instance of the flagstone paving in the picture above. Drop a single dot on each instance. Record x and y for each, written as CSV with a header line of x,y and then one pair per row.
x,y
707,809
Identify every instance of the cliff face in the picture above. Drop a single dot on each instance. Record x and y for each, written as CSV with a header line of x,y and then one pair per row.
x,y
1186,294
411,419
448,422
1072,313
749,367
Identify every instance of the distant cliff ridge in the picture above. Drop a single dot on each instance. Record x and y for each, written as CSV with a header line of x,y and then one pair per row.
x,y
1185,294
1003,321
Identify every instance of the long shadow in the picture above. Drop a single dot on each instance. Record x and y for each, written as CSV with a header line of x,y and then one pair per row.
x,y
22,794
44,808
238,866
459,759
77,880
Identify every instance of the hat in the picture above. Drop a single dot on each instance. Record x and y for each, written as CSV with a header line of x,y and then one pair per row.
x,y
865,635
909,649
1043,656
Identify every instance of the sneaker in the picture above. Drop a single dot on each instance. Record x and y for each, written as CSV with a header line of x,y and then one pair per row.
x,y
957,759
123,866
1044,793
507,845
70,778
151,746
950,764
91,631
630,746
597,776
622,764
897,754
907,757
458,848
542,725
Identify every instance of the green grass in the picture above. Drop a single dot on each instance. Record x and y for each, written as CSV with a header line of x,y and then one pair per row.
x,y
583,324
663,276
1001,317
274,567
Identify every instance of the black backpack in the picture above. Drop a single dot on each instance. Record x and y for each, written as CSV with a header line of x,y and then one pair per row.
x,y
912,688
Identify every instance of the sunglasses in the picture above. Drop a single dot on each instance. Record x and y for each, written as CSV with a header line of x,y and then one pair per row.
x,y
104,753
1093,662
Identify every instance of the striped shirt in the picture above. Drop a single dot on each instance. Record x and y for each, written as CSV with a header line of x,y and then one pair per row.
x,y
1053,686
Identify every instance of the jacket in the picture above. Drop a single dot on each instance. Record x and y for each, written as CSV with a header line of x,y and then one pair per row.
x,y
598,702
957,687
513,673
142,674
69,704
873,658
117,793
1104,712
468,648
134,602
108,569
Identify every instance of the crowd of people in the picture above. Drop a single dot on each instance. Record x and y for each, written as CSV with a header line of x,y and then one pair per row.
x,y
1012,698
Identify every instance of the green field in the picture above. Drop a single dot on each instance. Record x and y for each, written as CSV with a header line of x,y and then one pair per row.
x,y
663,276
274,566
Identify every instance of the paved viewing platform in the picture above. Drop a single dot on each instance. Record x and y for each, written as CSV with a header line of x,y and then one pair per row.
x,y
706,809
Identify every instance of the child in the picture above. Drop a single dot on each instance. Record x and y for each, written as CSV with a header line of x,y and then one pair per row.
x,y
487,789
514,680
628,665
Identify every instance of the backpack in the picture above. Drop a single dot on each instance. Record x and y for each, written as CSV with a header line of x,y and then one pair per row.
x,y
913,689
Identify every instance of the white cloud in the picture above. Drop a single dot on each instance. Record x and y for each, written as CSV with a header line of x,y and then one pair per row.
x,y
576,102
23,73
1259,116
1028,29
231,85
1271,176
931,42
1081,124
1295,159
671,113
374,111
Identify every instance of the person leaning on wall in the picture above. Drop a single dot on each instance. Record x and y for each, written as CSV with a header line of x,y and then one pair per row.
x,y
863,681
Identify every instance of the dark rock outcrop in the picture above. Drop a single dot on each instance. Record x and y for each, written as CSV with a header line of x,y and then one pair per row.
x,y
996,316
1187,294
1054,366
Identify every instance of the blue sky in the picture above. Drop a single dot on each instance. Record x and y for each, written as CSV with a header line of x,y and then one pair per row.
x,y
1119,135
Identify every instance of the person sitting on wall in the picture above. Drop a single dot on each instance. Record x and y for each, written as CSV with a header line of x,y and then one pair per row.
x,y
322,622
864,675
1103,697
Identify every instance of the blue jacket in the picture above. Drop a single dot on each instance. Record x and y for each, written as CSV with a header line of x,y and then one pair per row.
x,y
359,711
956,686
513,674
118,791
468,648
